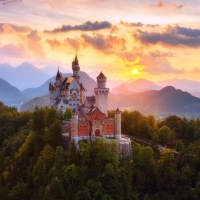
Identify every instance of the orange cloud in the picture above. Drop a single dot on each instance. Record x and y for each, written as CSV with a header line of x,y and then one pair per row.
x,y
74,43
161,4
8,29
33,43
55,43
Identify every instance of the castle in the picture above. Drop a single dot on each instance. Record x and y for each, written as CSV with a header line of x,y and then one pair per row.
x,y
90,114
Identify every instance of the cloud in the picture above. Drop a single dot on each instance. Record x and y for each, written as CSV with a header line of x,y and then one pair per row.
x,y
106,44
87,26
152,25
33,42
14,51
161,4
54,44
68,42
171,36
75,44
128,24
161,54
4,2
183,31
158,65
4,27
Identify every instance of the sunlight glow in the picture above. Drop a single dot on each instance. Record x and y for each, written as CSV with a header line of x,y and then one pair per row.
x,y
135,71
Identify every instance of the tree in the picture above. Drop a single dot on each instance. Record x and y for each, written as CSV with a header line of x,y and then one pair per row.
x,y
166,172
68,113
164,135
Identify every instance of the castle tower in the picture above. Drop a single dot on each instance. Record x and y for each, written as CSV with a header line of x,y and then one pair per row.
x,y
118,124
76,68
58,82
74,129
101,94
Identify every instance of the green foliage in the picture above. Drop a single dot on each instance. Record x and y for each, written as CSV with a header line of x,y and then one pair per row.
x,y
164,135
35,166
68,113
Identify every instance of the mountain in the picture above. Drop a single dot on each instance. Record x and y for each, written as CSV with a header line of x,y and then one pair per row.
x,y
166,101
121,89
11,95
24,76
192,87
30,105
51,70
135,86
88,83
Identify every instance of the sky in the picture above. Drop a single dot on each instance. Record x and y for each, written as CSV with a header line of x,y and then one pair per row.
x,y
126,39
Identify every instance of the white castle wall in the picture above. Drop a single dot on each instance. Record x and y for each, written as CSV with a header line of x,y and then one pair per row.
x,y
102,99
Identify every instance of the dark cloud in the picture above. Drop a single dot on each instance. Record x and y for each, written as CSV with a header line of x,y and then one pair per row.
x,y
106,44
17,28
152,25
4,2
172,36
87,26
184,31
129,24
161,54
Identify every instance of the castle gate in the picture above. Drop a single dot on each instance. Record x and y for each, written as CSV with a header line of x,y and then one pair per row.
x,y
97,132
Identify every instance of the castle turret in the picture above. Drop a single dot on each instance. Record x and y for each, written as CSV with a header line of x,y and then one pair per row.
x,y
74,129
101,94
76,68
58,82
118,124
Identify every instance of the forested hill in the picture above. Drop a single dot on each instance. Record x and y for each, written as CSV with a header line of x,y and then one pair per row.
x,y
11,95
35,166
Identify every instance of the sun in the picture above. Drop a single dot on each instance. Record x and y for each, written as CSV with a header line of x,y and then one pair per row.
x,y
135,71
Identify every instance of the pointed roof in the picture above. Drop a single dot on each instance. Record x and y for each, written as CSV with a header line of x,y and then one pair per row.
x,y
117,111
58,74
82,88
101,75
75,61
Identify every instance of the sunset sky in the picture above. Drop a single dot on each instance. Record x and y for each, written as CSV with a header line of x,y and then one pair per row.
x,y
125,39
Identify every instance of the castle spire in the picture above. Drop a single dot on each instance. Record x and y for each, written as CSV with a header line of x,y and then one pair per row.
x,y
76,68
76,60
58,74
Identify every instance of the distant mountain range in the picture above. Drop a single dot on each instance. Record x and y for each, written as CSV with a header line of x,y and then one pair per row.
x,y
166,101
51,70
141,94
88,83
192,87
11,95
135,86
24,76
141,85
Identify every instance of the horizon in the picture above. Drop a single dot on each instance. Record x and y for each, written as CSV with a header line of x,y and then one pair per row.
x,y
153,40
93,77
